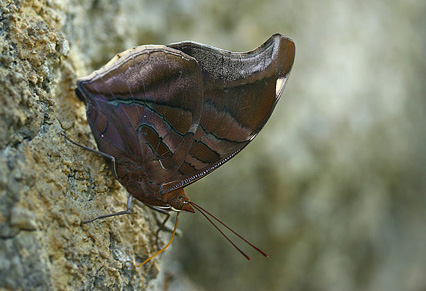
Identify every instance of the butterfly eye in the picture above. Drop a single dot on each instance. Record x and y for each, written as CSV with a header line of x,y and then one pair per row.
x,y
177,203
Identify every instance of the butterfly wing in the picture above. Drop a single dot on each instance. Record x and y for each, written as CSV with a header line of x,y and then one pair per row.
x,y
144,108
240,93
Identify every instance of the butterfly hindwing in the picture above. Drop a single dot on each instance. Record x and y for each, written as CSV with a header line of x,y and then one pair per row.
x,y
240,93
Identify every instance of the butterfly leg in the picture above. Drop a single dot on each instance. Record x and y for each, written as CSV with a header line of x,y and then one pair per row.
x,y
127,211
162,224
111,158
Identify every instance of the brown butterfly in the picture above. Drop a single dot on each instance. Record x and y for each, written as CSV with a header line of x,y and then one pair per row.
x,y
166,116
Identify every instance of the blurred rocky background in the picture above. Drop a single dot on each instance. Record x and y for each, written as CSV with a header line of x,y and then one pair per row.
x,y
333,188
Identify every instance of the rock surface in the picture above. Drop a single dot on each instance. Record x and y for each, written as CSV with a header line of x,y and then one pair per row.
x,y
48,186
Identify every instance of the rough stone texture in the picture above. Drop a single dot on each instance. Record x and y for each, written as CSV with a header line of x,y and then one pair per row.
x,y
47,186
333,188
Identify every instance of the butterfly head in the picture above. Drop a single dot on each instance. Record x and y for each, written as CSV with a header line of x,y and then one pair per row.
x,y
178,200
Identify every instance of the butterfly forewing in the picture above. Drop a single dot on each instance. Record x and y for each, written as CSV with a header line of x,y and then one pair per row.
x,y
144,106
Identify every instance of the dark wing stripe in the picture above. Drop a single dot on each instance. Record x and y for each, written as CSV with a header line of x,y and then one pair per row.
x,y
186,181
160,109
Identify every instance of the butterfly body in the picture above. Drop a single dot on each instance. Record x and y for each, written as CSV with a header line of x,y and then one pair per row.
x,y
170,115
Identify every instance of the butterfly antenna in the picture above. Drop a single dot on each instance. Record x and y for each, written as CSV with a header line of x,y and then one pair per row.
x,y
160,251
205,213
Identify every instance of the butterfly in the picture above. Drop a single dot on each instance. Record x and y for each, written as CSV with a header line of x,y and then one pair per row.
x,y
165,116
